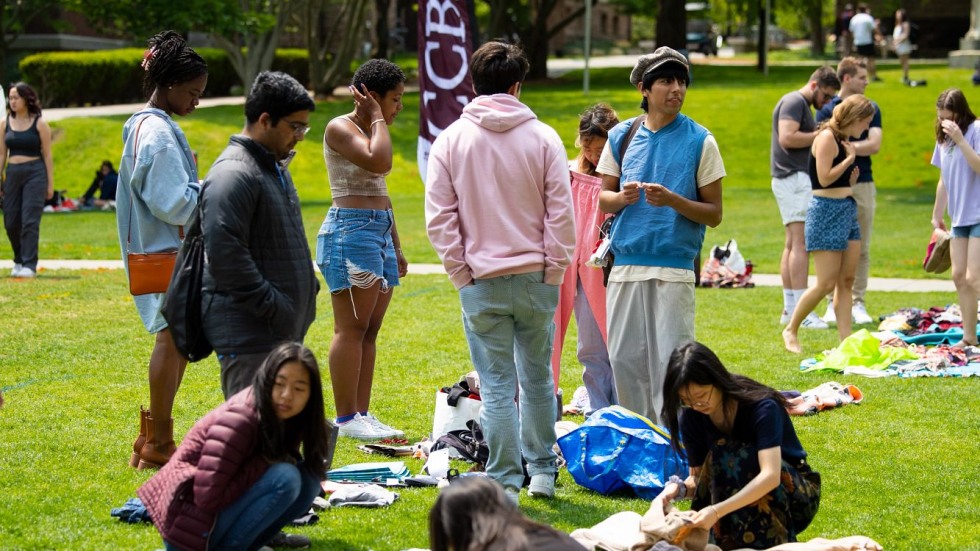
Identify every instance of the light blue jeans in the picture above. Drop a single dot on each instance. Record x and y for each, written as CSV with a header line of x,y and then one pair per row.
x,y
593,355
509,326
282,494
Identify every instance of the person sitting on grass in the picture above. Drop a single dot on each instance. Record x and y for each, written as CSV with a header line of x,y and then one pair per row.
x,y
749,479
105,183
238,476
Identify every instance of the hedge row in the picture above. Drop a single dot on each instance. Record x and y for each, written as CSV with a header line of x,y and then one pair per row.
x,y
114,76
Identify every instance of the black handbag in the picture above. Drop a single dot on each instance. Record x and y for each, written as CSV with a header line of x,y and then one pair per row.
x,y
182,306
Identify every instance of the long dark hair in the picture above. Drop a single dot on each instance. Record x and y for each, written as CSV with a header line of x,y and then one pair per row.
x,y
475,514
279,439
168,61
696,363
954,101
594,122
29,96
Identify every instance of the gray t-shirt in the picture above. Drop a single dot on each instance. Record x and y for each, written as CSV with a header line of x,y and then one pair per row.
x,y
784,162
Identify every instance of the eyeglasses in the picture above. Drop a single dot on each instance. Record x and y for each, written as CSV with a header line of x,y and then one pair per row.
x,y
699,404
299,128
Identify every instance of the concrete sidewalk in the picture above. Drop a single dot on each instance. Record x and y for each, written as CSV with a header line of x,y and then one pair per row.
x,y
888,284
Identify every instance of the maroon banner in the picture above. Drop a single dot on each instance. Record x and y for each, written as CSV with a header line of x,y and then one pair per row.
x,y
445,86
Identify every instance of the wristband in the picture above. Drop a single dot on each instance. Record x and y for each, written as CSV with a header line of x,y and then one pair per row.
x,y
376,121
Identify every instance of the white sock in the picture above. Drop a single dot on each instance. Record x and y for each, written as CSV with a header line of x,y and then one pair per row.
x,y
797,295
789,301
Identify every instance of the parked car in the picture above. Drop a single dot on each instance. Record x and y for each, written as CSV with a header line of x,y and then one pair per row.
x,y
701,37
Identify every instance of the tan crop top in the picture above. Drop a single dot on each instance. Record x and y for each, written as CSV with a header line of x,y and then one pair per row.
x,y
346,178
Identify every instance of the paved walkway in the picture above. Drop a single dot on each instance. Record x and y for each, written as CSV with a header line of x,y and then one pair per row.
x,y
761,280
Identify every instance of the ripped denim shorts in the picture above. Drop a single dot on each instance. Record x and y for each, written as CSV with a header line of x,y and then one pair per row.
x,y
354,248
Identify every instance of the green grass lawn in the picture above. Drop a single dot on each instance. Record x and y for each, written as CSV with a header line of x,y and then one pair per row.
x,y
901,467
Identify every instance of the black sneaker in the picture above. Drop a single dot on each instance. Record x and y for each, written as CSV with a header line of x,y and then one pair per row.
x,y
282,540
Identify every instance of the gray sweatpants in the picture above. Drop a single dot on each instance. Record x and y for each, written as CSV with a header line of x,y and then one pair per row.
x,y
647,320
24,191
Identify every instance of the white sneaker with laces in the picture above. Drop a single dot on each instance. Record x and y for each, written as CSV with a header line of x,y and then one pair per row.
x,y
26,272
16,271
359,428
830,317
813,321
382,429
859,314
784,318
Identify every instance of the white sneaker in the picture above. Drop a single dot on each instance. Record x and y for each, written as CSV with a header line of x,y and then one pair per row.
x,y
784,318
813,321
359,428
16,271
859,314
830,317
25,272
383,430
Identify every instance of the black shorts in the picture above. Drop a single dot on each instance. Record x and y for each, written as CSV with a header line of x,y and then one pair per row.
x,y
867,50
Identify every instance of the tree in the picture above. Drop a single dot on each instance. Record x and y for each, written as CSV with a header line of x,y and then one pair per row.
x,y
248,30
252,40
382,39
15,16
672,24
527,20
329,68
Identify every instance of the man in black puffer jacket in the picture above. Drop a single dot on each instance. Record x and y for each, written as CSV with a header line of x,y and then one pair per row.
x,y
259,285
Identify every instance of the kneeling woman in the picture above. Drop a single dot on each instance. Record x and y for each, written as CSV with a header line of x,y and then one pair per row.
x,y
238,476
832,232
749,480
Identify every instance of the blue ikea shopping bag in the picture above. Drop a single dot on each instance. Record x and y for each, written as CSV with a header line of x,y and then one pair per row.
x,y
616,449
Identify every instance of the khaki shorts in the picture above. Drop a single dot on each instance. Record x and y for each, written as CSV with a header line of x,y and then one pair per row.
x,y
793,195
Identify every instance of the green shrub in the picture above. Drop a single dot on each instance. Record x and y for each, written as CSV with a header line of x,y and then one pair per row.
x,y
115,76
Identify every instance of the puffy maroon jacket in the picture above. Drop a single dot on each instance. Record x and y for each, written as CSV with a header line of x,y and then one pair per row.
x,y
214,465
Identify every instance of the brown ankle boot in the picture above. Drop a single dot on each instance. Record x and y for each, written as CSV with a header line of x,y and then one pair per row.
x,y
134,460
159,444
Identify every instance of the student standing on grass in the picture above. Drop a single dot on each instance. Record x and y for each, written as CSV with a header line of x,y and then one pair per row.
x,y
749,482
25,156
864,29
853,77
833,234
238,477
157,194
958,191
582,290
259,283
665,190
358,249
498,210
793,130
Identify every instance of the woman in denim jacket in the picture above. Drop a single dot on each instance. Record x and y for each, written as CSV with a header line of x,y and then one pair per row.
x,y
158,191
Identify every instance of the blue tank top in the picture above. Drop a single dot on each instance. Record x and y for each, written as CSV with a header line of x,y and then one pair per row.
x,y
26,143
843,181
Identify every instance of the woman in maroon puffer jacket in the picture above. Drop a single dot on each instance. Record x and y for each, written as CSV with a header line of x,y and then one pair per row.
x,y
238,476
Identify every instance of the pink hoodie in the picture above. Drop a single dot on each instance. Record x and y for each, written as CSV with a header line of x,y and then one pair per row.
x,y
498,199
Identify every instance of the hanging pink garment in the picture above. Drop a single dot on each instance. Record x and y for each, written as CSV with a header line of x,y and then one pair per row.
x,y
588,218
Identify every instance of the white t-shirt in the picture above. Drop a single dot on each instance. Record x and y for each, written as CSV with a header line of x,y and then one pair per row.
x,y
712,168
863,28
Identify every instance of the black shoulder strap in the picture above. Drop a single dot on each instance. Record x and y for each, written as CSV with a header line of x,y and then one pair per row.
x,y
637,122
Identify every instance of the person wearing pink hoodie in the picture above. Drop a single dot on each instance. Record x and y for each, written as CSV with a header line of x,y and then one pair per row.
x,y
498,211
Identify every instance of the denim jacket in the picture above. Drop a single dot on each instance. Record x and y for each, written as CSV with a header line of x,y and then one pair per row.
x,y
158,191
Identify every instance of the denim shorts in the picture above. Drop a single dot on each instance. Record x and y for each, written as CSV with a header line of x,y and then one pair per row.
x,y
831,223
966,231
354,248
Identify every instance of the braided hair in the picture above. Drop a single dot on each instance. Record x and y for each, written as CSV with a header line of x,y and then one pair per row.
x,y
168,61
